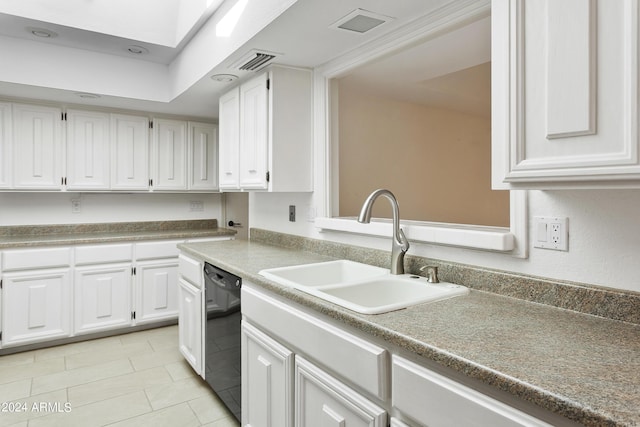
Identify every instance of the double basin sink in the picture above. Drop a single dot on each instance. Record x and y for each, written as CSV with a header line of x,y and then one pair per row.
x,y
361,287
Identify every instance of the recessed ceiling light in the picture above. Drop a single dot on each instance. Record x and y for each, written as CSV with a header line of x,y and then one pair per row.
x,y
86,95
224,78
137,50
42,32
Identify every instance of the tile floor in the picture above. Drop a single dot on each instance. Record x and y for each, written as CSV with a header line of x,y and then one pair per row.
x,y
137,379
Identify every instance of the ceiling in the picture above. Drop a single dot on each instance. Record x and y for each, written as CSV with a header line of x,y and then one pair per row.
x,y
452,71
302,35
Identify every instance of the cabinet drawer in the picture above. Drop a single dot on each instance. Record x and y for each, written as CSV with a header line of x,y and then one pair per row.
x,y
190,269
323,400
436,400
160,249
363,363
100,254
23,259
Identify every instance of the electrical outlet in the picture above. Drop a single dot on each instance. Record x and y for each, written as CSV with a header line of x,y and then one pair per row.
x,y
551,233
292,213
196,206
76,206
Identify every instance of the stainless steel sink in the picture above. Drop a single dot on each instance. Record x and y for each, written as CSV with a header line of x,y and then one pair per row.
x,y
362,288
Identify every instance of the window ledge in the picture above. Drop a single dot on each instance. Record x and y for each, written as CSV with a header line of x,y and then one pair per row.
x,y
467,236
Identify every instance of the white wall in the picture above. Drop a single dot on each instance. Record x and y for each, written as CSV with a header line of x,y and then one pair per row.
x,y
604,241
55,208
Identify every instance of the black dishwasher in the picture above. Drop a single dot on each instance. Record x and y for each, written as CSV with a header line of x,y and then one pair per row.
x,y
222,335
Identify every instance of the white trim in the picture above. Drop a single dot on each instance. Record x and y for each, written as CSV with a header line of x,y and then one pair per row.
x,y
512,240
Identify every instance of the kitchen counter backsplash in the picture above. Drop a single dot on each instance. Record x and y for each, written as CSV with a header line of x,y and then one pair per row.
x,y
61,234
599,301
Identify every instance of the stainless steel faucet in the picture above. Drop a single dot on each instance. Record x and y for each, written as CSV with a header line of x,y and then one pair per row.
x,y
400,244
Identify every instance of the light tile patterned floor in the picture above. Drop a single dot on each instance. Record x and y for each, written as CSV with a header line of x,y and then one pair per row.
x,y
138,379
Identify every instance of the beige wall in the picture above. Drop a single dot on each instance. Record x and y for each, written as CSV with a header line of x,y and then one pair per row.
x,y
437,162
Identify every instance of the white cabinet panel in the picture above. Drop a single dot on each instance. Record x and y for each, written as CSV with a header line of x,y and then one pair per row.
x,y
130,152
23,259
157,290
203,156
87,150
229,122
191,270
436,400
267,380
169,156
565,94
157,249
37,146
102,297
95,254
254,133
5,145
323,401
190,328
36,306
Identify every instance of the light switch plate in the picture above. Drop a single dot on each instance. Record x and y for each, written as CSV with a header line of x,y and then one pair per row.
x,y
551,232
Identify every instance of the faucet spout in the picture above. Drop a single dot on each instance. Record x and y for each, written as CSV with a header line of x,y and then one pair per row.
x,y
399,244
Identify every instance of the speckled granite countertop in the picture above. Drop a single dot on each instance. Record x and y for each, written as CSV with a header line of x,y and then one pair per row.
x,y
76,234
579,366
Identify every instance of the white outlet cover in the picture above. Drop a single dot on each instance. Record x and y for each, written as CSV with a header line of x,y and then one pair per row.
x,y
551,232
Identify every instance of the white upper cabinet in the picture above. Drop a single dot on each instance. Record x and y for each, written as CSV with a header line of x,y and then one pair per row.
x,y
229,122
169,155
565,94
265,133
38,148
129,152
203,156
5,145
254,133
87,150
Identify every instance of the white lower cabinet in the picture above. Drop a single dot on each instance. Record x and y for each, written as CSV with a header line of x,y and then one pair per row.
x,y
323,401
316,397
102,297
36,306
342,379
156,290
190,323
36,295
267,378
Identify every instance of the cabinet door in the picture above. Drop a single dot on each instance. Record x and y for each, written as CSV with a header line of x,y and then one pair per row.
x,y
35,306
157,290
229,122
190,328
5,145
323,401
130,152
37,145
203,156
564,93
254,133
169,155
267,380
102,297
87,150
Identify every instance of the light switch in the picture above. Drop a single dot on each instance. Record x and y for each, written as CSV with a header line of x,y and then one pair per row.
x,y
542,231
551,232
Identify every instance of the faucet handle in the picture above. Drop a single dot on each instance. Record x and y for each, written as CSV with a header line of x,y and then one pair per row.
x,y
432,273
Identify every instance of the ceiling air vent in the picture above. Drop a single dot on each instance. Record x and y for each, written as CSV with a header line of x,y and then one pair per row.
x,y
254,60
360,21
